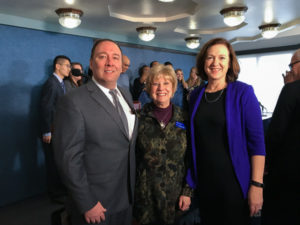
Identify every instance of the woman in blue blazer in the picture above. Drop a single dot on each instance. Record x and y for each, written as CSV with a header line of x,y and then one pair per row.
x,y
227,140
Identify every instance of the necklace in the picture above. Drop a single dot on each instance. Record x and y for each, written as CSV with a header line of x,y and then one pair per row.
x,y
163,120
162,124
216,99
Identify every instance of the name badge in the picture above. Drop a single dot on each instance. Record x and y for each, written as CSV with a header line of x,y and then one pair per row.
x,y
180,125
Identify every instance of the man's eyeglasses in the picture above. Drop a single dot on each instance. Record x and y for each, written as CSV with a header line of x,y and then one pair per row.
x,y
67,65
293,63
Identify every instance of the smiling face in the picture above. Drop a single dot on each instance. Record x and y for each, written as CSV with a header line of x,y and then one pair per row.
x,y
106,64
161,91
217,63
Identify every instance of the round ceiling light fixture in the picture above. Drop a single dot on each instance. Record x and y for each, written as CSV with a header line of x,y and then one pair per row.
x,y
269,30
146,33
69,17
192,42
234,16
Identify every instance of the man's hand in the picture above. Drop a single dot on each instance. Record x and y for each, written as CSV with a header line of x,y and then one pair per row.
x,y
288,77
47,139
95,214
184,203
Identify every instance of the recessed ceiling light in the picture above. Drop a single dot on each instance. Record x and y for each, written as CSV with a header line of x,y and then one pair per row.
x,y
70,2
166,0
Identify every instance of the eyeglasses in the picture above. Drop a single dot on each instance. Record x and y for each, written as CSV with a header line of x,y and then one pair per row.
x,y
292,64
67,65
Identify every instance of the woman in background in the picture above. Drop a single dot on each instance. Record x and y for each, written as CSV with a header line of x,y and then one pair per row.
x,y
140,82
193,80
74,81
227,140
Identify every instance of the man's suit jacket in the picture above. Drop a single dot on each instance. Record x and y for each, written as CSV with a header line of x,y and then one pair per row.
x,y
51,92
94,155
283,141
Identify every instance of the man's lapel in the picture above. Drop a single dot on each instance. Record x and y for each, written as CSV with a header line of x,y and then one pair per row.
x,y
97,94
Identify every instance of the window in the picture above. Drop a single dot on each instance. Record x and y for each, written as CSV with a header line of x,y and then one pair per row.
x,y
264,73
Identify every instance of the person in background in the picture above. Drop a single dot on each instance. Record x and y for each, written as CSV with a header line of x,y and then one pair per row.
x,y
227,140
154,63
94,143
123,80
282,192
162,193
169,64
193,80
180,78
179,98
73,81
139,83
52,90
293,74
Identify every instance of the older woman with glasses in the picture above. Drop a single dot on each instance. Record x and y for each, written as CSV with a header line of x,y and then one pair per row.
x,y
161,193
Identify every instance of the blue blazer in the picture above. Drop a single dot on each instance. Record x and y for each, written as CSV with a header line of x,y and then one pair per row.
x,y
244,130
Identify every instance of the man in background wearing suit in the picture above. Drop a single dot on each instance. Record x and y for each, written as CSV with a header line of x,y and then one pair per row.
x,y
282,192
95,145
52,90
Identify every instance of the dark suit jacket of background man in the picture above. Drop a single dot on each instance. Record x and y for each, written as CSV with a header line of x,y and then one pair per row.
x,y
92,150
282,193
51,91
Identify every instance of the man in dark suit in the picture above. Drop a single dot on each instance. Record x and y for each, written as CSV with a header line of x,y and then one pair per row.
x,y
52,90
94,146
282,192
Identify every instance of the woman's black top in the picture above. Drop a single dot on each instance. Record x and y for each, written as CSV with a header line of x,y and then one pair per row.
x,y
221,199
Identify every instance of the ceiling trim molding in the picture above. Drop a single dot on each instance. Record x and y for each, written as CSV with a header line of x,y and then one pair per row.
x,y
153,48
268,50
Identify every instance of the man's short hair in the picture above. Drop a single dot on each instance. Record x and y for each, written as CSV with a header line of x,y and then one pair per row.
x,y
152,63
103,40
58,58
168,63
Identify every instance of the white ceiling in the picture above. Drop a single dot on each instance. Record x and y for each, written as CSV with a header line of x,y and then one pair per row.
x,y
118,20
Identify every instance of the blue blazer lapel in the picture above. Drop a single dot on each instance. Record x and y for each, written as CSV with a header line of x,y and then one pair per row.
x,y
195,100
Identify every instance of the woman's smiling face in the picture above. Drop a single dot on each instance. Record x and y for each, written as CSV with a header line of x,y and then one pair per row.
x,y
217,62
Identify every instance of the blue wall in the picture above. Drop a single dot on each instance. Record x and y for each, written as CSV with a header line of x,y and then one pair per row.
x,y
26,60
139,57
